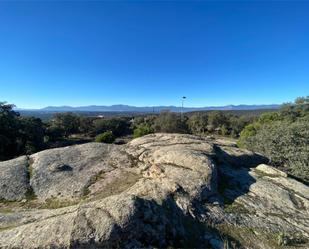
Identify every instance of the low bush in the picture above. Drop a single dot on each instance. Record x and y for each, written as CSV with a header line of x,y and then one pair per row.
x,y
105,137
142,130
282,136
284,143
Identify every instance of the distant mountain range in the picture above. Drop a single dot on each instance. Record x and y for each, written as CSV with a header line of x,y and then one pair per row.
x,y
148,109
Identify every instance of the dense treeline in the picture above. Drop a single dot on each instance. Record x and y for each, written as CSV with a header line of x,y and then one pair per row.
x,y
200,123
282,136
25,135
19,135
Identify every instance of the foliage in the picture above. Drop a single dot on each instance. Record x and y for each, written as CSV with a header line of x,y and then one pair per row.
x,y
249,131
284,143
217,122
86,125
142,130
31,134
68,122
19,135
238,123
283,137
119,126
105,137
197,123
169,122
54,133
8,130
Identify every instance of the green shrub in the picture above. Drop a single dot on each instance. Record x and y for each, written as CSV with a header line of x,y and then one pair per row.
x,y
284,143
142,130
105,137
249,131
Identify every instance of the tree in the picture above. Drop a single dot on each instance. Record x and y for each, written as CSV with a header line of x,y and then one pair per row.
x,y
86,125
32,133
19,135
216,119
54,133
9,127
197,123
302,100
237,124
68,122
170,122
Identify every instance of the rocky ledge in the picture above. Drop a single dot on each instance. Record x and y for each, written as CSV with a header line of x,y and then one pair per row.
x,y
161,190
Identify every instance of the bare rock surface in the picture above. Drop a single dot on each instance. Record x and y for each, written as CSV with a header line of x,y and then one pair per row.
x,y
161,190
270,171
14,180
266,201
66,172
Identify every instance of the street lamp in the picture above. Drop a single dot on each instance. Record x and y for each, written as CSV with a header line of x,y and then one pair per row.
x,y
182,101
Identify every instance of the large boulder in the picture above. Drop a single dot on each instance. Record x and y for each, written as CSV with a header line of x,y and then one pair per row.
x,y
14,179
159,190
66,173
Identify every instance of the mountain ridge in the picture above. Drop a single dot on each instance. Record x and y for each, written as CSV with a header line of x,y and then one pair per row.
x,y
129,108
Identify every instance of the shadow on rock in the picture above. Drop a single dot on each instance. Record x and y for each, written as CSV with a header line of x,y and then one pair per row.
x,y
64,167
234,179
238,159
155,225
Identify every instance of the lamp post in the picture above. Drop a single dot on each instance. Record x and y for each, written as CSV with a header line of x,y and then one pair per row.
x,y
182,101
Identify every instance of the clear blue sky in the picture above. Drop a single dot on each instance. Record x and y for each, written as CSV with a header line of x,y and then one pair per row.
x,y
152,53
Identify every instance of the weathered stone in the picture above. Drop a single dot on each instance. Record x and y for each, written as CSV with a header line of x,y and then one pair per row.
x,y
159,190
14,179
273,204
271,171
67,172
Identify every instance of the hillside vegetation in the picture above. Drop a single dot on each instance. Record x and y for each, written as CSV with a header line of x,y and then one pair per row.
x,y
282,136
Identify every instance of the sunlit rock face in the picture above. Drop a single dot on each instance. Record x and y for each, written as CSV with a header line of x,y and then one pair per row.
x,y
160,190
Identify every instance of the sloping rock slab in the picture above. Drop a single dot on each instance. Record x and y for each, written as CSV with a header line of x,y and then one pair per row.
x,y
161,190
14,179
67,172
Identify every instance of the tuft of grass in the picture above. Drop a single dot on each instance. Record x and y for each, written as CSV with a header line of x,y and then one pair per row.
x,y
6,228
30,195
30,168
30,171
6,210
54,203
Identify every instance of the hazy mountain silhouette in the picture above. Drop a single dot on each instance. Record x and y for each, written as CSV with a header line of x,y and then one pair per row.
x,y
127,108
